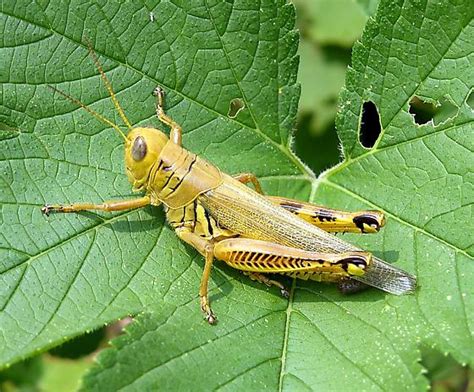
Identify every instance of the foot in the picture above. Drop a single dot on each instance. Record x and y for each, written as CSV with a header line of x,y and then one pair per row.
x,y
48,208
351,286
158,92
211,318
284,293
261,278
206,309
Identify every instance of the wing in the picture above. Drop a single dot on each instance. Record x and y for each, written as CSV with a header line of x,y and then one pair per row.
x,y
244,211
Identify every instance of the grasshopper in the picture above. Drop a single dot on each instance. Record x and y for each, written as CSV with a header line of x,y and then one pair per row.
x,y
223,218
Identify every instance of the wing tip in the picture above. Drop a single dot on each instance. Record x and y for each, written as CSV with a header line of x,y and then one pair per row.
x,y
404,284
389,278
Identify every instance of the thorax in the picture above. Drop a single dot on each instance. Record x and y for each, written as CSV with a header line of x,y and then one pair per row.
x,y
179,177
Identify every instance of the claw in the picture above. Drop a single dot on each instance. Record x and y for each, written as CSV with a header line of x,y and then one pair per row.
x,y
285,293
206,309
211,318
158,91
46,209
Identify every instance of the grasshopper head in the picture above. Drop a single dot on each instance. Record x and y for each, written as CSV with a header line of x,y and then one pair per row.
x,y
142,149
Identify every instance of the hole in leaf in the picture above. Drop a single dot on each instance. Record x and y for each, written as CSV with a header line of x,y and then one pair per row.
x,y
470,100
444,372
425,111
422,112
330,101
236,105
370,127
80,346
319,150
445,111
23,376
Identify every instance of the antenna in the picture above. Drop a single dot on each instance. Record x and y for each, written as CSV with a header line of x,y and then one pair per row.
x,y
108,85
91,111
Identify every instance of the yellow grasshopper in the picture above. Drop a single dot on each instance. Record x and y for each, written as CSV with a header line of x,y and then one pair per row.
x,y
222,218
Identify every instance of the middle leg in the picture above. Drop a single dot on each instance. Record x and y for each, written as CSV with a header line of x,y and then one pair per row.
x,y
262,278
245,178
114,205
206,248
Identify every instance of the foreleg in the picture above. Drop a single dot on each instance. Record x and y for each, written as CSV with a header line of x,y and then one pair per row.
x,y
175,128
115,205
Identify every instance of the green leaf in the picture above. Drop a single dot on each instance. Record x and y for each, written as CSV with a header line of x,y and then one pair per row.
x,y
67,274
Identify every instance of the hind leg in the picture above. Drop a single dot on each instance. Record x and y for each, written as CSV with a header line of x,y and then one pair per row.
x,y
331,220
328,219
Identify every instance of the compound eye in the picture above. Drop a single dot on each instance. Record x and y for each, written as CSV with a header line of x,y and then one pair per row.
x,y
139,149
